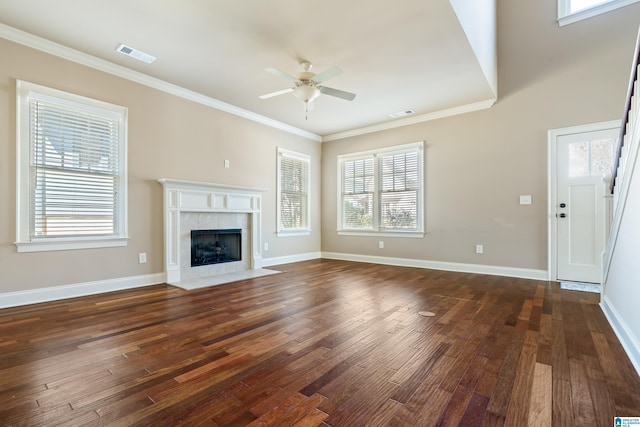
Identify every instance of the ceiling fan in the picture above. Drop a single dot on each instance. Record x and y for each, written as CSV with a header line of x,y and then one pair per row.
x,y
307,85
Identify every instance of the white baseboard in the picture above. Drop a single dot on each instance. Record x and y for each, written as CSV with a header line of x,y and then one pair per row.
x,y
34,296
268,262
524,273
623,332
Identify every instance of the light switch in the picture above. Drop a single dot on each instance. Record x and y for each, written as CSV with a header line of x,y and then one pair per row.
x,y
525,200
227,163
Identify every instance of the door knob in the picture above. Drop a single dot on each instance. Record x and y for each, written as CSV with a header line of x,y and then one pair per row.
x,y
563,215
563,205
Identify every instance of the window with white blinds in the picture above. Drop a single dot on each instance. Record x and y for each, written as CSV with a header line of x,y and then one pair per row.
x,y
293,192
73,170
381,191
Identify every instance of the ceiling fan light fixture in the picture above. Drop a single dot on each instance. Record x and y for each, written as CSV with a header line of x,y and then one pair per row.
x,y
306,93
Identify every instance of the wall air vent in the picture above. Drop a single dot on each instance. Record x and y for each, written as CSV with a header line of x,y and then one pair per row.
x,y
135,53
402,113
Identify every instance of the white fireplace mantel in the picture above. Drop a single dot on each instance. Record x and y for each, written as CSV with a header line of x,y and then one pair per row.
x,y
190,196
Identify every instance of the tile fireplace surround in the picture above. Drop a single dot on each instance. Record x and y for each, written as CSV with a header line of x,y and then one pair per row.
x,y
200,201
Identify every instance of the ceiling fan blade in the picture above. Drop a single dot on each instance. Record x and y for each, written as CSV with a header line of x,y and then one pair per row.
x,y
337,93
282,74
326,75
279,92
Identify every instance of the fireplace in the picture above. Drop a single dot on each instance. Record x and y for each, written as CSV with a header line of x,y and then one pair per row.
x,y
215,246
192,205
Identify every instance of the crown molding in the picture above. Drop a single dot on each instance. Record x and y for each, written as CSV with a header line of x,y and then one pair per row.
x,y
64,52
462,109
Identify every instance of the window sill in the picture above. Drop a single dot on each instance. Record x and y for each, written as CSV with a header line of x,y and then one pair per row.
x,y
297,232
70,244
373,233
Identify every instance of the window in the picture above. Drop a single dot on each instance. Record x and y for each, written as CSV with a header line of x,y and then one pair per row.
x,y
591,158
570,11
293,193
71,171
381,191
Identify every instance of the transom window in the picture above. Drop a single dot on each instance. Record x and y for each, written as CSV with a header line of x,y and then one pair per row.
x,y
71,171
570,11
381,191
293,193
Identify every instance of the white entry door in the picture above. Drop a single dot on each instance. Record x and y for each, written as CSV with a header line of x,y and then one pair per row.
x,y
582,161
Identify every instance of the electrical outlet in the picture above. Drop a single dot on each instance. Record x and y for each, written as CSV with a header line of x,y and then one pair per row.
x,y
479,249
381,244
142,257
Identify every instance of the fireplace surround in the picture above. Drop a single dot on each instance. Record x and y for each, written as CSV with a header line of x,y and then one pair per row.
x,y
191,205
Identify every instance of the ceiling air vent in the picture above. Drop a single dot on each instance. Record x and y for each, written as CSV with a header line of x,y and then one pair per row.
x,y
135,53
402,113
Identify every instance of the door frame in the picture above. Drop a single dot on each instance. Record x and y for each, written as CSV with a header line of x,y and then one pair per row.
x,y
552,181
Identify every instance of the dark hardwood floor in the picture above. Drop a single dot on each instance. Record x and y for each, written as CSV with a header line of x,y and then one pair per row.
x,y
325,343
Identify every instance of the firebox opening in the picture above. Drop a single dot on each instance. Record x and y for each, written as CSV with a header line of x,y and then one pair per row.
x,y
215,246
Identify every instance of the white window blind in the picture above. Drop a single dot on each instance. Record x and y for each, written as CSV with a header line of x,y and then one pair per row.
x,y
75,172
399,191
381,191
72,168
357,193
293,191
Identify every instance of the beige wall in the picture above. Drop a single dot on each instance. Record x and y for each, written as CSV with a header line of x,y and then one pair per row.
x,y
168,137
478,164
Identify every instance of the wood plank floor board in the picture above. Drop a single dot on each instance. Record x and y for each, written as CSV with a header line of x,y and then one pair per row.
x,y
562,411
324,343
541,405
475,411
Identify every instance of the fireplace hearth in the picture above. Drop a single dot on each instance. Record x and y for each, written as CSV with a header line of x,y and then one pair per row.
x,y
215,246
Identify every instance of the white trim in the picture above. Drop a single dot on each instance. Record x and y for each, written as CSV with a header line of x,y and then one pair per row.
x,y
268,262
375,155
552,178
564,18
25,92
462,109
54,293
52,48
293,232
47,46
524,273
372,233
68,244
302,157
622,331
182,196
632,144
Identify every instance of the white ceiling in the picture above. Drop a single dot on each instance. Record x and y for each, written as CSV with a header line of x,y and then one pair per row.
x,y
410,54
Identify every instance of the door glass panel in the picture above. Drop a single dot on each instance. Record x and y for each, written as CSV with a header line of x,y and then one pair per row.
x,y
579,159
601,156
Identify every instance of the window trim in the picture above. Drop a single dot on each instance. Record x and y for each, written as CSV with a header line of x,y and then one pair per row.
x,y
565,17
24,242
286,232
375,154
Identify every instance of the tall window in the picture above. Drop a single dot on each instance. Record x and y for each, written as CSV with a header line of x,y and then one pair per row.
x,y
381,191
570,11
71,171
293,193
